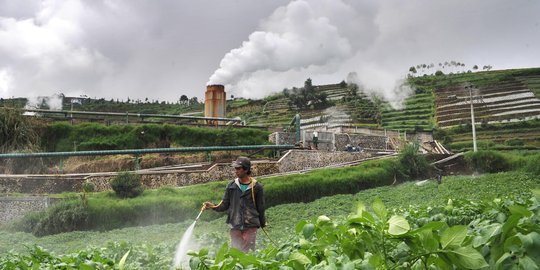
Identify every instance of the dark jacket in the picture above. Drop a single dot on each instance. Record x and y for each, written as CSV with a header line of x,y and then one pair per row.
x,y
242,210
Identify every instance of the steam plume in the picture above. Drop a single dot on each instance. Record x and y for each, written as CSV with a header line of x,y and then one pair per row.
x,y
319,39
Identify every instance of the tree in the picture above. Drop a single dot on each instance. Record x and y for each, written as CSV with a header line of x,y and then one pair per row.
x,y
184,99
307,97
439,73
412,70
475,67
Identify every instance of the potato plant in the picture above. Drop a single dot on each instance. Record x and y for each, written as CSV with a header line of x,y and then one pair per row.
x,y
504,234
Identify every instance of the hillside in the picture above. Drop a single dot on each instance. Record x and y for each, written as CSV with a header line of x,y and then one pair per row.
x,y
440,103
506,105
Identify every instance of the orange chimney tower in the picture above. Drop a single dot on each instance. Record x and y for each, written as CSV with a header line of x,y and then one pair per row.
x,y
214,101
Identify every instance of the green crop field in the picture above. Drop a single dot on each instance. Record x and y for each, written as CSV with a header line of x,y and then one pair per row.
x,y
153,246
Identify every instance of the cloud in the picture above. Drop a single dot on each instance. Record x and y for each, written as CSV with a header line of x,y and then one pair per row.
x,y
302,38
326,40
164,49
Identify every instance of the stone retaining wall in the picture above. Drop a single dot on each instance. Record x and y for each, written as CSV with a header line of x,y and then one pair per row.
x,y
292,161
12,208
297,160
39,184
364,141
217,172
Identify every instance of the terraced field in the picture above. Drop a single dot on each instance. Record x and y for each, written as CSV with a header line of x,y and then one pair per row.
x,y
507,101
505,106
501,98
416,115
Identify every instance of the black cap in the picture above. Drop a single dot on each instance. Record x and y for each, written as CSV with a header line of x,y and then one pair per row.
x,y
242,162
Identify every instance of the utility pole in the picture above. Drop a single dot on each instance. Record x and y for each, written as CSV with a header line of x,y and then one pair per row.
x,y
475,149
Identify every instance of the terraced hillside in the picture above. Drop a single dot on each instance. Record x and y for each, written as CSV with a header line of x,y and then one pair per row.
x,y
518,135
506,101
417,114
344,108
505,105
501,98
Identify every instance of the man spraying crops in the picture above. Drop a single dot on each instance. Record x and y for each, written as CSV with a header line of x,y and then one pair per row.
x,y
244,202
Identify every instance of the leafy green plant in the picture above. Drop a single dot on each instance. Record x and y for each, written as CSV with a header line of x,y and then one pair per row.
x,y
17,132
487,161
533,165
514,142
64,216
88,187
94,136
411,164
127,185
502,235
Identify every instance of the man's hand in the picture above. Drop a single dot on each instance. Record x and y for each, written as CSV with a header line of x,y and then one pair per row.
x,y
208,205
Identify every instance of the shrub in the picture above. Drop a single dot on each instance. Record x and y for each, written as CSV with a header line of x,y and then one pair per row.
x,y
127,185
88,187
94,136
486,161
533,165
412,165
62,217
514,142
17,132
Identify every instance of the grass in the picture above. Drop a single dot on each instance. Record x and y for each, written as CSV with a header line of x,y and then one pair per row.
x,y
283,218
106,211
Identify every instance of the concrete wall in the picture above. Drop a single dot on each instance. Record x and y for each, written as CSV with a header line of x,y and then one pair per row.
x,y
12,208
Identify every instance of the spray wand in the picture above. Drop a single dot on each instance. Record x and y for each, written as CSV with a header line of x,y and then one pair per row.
x,y
199,215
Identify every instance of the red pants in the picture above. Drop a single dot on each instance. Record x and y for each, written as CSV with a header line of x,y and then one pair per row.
x,y
244,240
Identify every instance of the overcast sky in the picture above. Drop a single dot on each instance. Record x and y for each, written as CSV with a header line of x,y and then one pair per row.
x,y
168,48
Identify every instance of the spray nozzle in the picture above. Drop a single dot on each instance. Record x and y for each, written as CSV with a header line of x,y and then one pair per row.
x,y
199,215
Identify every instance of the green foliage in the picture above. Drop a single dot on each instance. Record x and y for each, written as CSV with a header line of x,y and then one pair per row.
x,y
533,165
306,97
17,132
63,216
498,234
411,164
514,142
314,185
88,187
127,185
503,233
487,161
442,136
93,136
168,204
106,258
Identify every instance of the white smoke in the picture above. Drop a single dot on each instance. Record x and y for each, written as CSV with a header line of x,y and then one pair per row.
x,y
53,102
5,82
303,39
323,39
